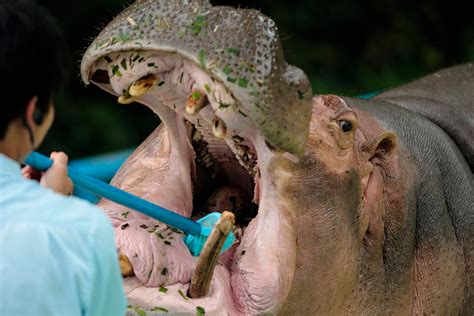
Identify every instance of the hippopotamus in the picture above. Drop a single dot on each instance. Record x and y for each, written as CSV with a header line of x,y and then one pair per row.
x,y
342,205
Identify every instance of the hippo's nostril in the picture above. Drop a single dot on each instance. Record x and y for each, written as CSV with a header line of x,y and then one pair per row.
x,y
101,76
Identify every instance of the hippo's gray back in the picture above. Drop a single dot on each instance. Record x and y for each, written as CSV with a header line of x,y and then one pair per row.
x,y
447,99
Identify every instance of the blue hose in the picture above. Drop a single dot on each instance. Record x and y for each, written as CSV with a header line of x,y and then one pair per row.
x,y
43,163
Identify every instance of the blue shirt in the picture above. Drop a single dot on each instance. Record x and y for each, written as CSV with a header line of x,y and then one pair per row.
x,y
57,253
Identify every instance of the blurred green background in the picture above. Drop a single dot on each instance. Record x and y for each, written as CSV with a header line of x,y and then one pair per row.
x,y
345,47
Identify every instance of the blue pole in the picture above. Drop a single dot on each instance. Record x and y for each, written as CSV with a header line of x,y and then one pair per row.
x,y
42,163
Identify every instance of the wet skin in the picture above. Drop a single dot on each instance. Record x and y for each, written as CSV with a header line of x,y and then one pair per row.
x,y
360,207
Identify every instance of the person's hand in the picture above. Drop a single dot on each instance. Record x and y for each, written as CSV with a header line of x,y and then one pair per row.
x,y
55,178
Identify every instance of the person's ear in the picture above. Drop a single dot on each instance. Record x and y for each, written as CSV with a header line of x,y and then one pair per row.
x,y
33,115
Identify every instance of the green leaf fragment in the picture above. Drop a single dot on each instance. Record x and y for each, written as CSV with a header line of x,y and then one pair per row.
x,y
232,79
182,295
164,271
196,95
163,289
151,65
125,214
135,58
223,105
167,243
123,63
161,83
208,90
140,311
198,24
227,70
202,58
232,50
159,309
243,82
200,311
242,113
159,235
116,71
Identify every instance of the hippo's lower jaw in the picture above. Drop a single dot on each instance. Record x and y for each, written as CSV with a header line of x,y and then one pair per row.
x,y
209,137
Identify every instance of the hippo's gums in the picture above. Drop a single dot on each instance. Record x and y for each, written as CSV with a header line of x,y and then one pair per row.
x,y
344,206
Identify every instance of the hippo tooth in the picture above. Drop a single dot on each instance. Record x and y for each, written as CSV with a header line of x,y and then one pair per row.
x,y
219,129
142,85
196,135
125,99
125,265
196,101
207,260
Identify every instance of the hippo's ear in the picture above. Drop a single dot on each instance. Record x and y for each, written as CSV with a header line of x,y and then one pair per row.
x,y
383,151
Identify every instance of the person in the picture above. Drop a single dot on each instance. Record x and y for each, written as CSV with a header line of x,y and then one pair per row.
x,y
57,253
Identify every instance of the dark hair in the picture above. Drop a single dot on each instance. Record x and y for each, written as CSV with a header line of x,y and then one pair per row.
x,y
33,58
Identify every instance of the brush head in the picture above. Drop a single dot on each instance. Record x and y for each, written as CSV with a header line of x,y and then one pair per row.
x,y
196,243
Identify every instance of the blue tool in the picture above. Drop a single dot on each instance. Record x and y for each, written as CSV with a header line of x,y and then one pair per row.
x,y
197,232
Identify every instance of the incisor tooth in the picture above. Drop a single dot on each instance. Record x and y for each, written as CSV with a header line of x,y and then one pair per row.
x,y
142,85
219,129
125,99
196,101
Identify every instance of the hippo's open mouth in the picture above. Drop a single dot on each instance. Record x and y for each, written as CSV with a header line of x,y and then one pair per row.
x,y
230,104
220,146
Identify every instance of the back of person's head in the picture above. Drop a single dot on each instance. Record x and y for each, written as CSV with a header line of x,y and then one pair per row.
x,y
32,58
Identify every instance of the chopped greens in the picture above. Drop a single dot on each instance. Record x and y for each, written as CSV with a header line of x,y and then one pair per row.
x,y
227,70
232,50
243,82
161,83
167,243
163,289
159,309
159,235
182,295
124,226
202,58
198,24
200,311
125,214
116,71
232,79
152,65
164,271
223,105
242,113
123,63
144,226
208,90
135,58
196,95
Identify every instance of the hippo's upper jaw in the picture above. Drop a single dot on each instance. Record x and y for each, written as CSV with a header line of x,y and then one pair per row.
x,y
230,104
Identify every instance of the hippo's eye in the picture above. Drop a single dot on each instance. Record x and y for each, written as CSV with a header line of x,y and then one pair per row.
x,y
346,126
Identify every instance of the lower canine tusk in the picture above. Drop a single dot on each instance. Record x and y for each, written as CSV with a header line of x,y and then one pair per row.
x,y
208,258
